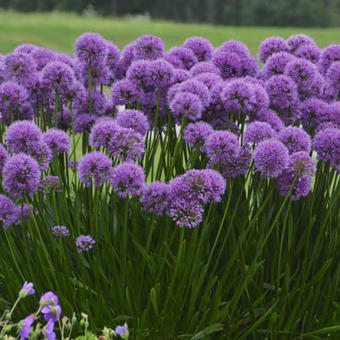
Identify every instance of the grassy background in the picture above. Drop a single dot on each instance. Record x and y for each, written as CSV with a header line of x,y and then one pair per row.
x,y
59,30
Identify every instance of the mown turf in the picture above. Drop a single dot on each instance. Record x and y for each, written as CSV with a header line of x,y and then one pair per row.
x,y
59,30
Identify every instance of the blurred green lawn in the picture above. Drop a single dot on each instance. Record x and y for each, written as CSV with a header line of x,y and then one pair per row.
x,y
59,30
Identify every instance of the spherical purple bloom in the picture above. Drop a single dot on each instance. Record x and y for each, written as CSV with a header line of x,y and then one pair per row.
x,y
271,117
173,90
98,72
57,140
84,243
297,40
208,79
20,175
7,211
126,58
127,179
260,99
181,57
314,112
276,63
27,289
249,66
149,47
94,168
43,155
154,199
333,75
302,72
160,74
180,75
270,46
23,136
49,184
112,58
327,144
60,231
204,67
91,48
222,145
270,158
102,133
257,132
330,54
310,52
295,139
125,92
328,93
25,48
196,134
234,46
64,119
228,63
25,327
187,104
334,112
138,73
197,88
201,47
64,58
43,56
3,156
135,120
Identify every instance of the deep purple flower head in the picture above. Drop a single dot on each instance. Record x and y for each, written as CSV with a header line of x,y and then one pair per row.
x,y
260,99
135,120
270,46
271,117
23,136
84,243
181,57
237,47
221,145
154,199
173,90
138,73
201,47
127,179
238,96
196,134
3,156
112,57
25,327
60,231
43,56
249,66
125,60
187,104
270,158
314,112
330,54
102,133
208,79
310,52
7,211
257,132
25,48
50,184
99,104
295,139
100,73
20,175
297,40
91,48
302,72
43,155
333,75
180,75
26,290
228,63
125,92
160,74
94,168
197,88
328,93
327,144
276,63
149,47
64,58
204,67
57,140
334,112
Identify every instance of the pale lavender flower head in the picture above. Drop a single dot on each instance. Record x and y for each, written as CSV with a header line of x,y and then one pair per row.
x,y
295,139
7,211
295,41
160,74
314,112
91,48
197,88
271,117
257,132
50,184
3,156
201,47
127,179
149,47
333,75
155,196
270,158
23,136
43,56
181,57
25,48
57,140
27,289
270,46
187,104
196,134
228,63
204,67
330,54
208,79
60,231
237,47
327,144
276,63
302,72
20,175
310,52
84,243
125,92
25,327
135,120
94,168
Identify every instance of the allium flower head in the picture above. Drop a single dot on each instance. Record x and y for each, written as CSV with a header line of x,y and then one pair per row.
x,y
154,198
196,134
43,155
276,63
327,144
270,46
208,79
257,132
94,168
149,47
181,57
201,47
64,58
295,41
25,48
270,158
228,63
50,184
180,75
7,211
237,47
160,74
330,54
138,73
334,112
271,117
302,72
260,99
26,290
3,156
84,243
25,327
187,104
125,92
125,60
204,67
295,139
310,52
314,112
197,88
60,231
20,175
135,120
91,48
127,179
99,72
333,75
113,56
43,56
57,140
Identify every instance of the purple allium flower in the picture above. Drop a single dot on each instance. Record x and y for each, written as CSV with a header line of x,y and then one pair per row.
x,y
60,231
310,52
99,104
64,119
84,243
334,112
314,112
185,213
271,117
149,47
24,213
270,46
20,175
295,41
154,199
125,92
126,58
94,168
102,133
7,211
138,73
222,145
64,58
160,74
43,56
276,63
73,165
122,331
23,136
330,54
43,155
295,139
181,57
135,120
50,184
238,96
173,90
333,75
261,99
83,123
127,178
328,93
270,158
25,327
26,290
99,72
228,63
14,103
237,47
302,72
197,88
187,104
3,156
249,66
180,75
57,140
25,48
196,134
208,79
204,67
327,144
91,48
112,59
201,47
257,132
